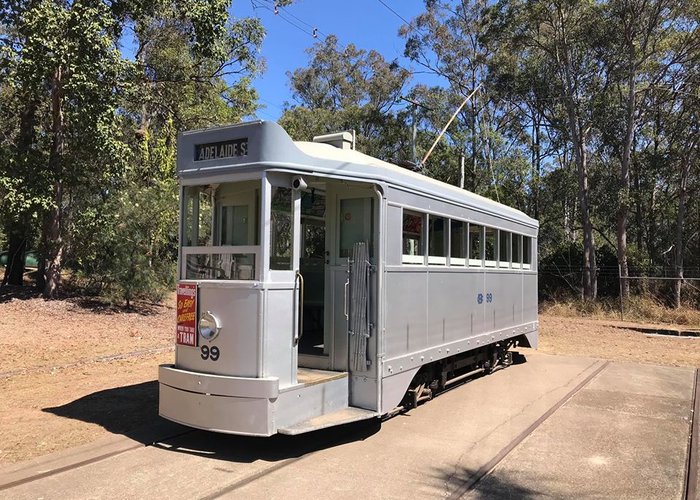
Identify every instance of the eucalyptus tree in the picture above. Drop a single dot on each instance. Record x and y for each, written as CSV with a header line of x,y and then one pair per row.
x,y
190,69
64,68
89,110
346,88
644,45
556,45
446,40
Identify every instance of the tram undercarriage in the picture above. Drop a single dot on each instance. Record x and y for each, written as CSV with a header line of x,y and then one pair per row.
x,y
438,376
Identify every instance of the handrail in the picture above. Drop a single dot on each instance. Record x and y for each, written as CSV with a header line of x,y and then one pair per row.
x,y
300,324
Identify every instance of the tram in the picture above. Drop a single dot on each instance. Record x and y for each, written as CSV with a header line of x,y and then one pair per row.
x,y
320,286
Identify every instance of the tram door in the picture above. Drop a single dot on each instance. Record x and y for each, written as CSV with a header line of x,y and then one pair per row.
x,y
354,221
333,217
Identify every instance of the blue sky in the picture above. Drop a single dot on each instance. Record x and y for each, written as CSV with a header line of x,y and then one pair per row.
x,y
366,23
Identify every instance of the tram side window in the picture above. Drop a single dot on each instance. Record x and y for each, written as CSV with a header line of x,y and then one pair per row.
x,y
476,245
437,240
527,252
504,249
490,247
458,243
515,253
281,229
413,246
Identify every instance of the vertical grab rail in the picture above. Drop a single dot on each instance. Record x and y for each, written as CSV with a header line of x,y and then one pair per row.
x,y
298,278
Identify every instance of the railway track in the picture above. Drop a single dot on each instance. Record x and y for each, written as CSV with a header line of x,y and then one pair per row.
x,y
471,482
302,450
693,461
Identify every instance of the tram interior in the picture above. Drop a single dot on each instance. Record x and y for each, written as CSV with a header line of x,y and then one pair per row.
x,y
312,267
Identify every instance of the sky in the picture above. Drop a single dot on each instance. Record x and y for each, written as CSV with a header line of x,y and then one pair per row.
x,y
369,24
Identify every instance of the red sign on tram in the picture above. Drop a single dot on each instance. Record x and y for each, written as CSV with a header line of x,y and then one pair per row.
x,y
186,314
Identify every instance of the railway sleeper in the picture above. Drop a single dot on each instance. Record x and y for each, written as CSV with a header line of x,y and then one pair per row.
x,y
438,376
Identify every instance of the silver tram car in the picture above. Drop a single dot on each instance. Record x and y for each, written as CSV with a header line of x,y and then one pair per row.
x,y
320,286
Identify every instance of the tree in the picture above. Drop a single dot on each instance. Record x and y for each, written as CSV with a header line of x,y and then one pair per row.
x,y
89,116
345,89
64,66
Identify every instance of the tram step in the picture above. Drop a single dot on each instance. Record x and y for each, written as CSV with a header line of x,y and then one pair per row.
x,y
338,417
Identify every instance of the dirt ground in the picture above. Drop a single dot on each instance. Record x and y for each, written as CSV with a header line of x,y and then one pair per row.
x,y
72,372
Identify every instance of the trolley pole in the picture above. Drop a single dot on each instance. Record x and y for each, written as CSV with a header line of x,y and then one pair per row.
x,y
461,172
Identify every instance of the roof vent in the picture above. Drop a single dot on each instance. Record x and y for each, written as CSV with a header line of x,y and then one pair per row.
x,y
342,140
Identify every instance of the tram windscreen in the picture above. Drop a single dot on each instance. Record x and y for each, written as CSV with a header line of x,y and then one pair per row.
x,y
220,231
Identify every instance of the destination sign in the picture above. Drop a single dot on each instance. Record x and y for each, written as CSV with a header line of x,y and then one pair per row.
x,y
218,150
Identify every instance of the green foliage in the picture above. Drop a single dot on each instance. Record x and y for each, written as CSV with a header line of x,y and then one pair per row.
x,y
349,89
87,136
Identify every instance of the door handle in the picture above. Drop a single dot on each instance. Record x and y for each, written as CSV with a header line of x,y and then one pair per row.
x,y
298,278
345,299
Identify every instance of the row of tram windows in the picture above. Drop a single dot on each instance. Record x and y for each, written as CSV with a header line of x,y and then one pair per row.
x,y
462,244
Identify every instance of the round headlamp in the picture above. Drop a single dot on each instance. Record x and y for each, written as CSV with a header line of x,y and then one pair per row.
x,y
208,326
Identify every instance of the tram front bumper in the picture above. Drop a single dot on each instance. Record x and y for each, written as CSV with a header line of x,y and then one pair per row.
x,y
232,405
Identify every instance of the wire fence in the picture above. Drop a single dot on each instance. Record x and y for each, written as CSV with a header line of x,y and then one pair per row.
x,y
661,283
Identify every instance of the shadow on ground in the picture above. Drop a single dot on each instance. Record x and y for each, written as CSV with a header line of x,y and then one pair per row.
x,y
246,449
80,300
459,483
133,412
11,292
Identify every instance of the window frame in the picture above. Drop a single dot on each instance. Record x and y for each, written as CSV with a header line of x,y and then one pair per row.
x,y
505,264
527,266
439,260
420,258
482,248
516,264
214,248
459,261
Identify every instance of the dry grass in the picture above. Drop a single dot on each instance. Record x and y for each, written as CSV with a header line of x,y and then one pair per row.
x,y
639,309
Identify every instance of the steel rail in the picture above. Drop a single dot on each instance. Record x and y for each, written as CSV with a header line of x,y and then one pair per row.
x,y
88,461
691,480
469,483
244,481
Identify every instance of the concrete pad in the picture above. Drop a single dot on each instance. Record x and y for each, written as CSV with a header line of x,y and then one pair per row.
x,y
419,454
651,380
424,453
56,462
625,435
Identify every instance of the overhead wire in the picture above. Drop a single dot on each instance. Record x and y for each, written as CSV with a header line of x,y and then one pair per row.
x,y
282,13
394,12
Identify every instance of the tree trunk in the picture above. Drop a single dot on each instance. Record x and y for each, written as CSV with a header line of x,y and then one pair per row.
x,y
19,230
14,272
590,268
624,192
536,161
52,228
680,220
578,136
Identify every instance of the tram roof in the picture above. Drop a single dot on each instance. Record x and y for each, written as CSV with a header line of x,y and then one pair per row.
x,y
268,144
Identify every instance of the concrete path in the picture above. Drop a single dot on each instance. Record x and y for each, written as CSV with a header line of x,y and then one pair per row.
x,y
624,434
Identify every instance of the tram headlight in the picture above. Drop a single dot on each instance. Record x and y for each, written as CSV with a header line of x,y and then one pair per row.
x,y
208,326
